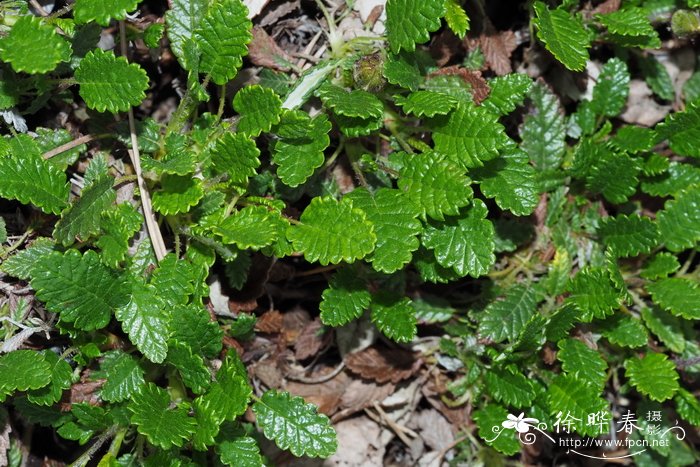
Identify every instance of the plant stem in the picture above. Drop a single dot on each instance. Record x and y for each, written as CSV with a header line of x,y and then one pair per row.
x,y
70,145
222,102
83,460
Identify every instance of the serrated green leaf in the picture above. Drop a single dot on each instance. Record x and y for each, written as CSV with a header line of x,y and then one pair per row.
x,y
355,103
82,219
675,179
582,362
295,425
31,179
237,270
259,109
410,22
123,376
507,92
682,129
657,77
102,12
236,155
679,296
208,424
108,82
511,180
38,414
402,70
434,184
183,20
469,136
687,406
21,263
666,327
631,22
660,265
395,223
193,326
654,375
299,152
222,37
564,35
691,88
177,194
625,331
33,46
61,379
228,396
118,226
505,319
242,451
78,287
146,321
614,175
428,103
251,227
194,373
634,139
179,159
431,309
629,235
153,417
456,18
612,88
465,244
173,280
568,395
512,389
543,132
345,299
593,293
21,370
330,232
394,316
679,221
489,420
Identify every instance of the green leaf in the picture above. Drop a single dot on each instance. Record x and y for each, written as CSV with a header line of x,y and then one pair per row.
x,y
242,451
633,22
299,152
21,263
466,243
259,109
61,379
330,232
108,82
229,395
237,155
512,389
33,46
511,180
345,299
31,179
193,326
123,376
82,219
593,293
179,159
147,322
666,327
21,370
428,103
625,331
654,375
456,18
177,194
679,221
489,419
568,395
505,319
102,12
657,77
682,129
395,224
660,265
79,287
222,37
173,280
118,226
677,178
507,92
251,227
194,373
470,136
612,88
394,316
355,103
163,426
410,22
543,131
582,362
434,184
402,70
564,35
687,406
679,296
629,235
614,175
634,139
183,20
295,425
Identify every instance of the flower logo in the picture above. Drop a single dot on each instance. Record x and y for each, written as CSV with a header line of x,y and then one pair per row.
x,y
520,423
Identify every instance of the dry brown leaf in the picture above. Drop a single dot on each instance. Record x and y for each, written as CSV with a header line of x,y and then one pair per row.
x,y
382,364
479,86
263,51
325,395
278,12
434,428
497,48
310,340
608,6
360,394
268,373
293,322
270,322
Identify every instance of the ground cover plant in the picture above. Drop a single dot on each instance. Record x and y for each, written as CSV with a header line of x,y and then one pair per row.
x,y
412,232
